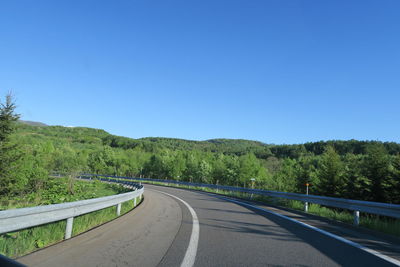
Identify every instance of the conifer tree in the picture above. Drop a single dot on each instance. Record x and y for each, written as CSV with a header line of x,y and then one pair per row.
x,y
395,179
377,169
331,173
8,151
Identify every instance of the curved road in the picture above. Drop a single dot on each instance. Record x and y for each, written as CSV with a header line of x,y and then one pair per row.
x,y
162,232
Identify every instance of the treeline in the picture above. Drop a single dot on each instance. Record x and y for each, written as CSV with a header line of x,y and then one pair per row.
x,y
366,170
341,147
369,173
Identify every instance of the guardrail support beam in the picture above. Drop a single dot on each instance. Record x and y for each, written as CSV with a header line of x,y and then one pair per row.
x,y
356,217
68,228
305,206
119,209
134,202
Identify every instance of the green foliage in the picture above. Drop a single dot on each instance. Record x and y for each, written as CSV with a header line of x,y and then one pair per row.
x,y
285,174
394,192
376,169
331,173
7,117
58,190
9,151
349,169
357,185
307,172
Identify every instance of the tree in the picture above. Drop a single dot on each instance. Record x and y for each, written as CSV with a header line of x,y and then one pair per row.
x,y
204,172
155,167
376,168
103,161
305,170
395,179
9,154
284,179
176,166
7,119
331,173
250,167
192,163
357,185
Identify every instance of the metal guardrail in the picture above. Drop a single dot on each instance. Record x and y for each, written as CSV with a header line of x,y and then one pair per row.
x,y
18,219
357,206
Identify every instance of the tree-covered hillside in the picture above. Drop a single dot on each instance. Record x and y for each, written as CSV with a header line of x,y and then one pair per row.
x,y
367,170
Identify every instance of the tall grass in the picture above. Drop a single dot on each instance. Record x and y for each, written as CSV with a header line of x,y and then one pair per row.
x,y
22,242
378,223
87,221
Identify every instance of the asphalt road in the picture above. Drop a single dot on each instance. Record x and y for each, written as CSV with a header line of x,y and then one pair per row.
x,y
160,231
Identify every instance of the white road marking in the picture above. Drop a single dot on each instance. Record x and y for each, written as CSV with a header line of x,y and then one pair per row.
x,y
191,251
351,243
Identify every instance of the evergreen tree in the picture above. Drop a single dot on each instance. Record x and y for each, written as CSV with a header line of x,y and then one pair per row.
x,y
395,179
331,173
9,154
377,170
358,186
305,169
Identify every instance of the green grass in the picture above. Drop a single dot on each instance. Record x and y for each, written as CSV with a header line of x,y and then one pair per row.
x,y
87,221
381,224
22,242
16,244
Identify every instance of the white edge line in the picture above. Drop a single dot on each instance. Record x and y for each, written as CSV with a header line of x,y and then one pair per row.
x,y
191,251
351,243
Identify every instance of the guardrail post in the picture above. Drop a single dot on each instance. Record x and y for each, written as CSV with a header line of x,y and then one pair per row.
x,y
134,202
68,228
356,217
306,206
119,209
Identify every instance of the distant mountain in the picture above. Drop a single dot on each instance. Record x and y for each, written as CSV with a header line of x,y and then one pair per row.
x,y
33,123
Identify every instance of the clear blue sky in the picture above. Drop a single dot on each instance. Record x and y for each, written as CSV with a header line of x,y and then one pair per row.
x,y
275,71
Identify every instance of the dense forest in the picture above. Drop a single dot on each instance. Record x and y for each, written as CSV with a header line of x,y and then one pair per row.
x,y
366,170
